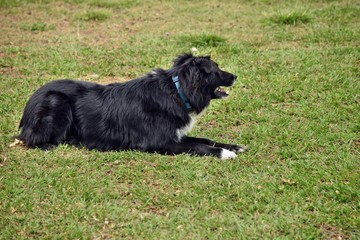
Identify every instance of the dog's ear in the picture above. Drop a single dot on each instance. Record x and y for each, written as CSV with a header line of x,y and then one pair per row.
x,y
204,64
194,72
192,84
182,59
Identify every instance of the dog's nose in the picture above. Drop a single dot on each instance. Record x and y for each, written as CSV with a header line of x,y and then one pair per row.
x,y
235,77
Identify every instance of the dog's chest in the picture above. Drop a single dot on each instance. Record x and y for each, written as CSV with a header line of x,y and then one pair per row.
x,y
181,132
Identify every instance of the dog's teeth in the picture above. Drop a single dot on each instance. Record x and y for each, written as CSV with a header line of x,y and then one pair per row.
x,y
220,90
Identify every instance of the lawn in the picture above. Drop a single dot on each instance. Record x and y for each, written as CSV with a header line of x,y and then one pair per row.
x,y
295,105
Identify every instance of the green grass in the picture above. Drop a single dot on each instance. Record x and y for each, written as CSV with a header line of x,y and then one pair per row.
x,y
114,4
202,40
95,15
37,27
295,105
291,18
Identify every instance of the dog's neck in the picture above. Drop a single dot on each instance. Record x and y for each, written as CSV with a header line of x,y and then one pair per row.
x,y
176,81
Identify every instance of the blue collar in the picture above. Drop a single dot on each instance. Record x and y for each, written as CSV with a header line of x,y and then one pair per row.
x,y
175,79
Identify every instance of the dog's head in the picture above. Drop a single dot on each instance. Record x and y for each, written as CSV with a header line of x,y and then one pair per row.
x,y
202,79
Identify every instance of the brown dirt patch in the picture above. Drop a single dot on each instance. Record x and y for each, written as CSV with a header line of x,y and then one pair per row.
x,y
332,233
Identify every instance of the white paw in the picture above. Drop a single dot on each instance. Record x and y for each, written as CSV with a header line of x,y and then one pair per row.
x,y
240,150
226,154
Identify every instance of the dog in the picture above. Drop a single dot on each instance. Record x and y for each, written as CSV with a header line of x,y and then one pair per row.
x,y
152,113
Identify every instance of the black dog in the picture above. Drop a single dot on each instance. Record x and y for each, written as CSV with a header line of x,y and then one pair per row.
x,y
152,113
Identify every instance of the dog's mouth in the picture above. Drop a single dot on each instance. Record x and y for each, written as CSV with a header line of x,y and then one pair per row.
x,y
219,92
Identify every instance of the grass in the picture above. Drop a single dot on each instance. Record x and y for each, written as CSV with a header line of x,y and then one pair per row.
x,y
295,105
113,4
291,18
37,27
202,40
95,15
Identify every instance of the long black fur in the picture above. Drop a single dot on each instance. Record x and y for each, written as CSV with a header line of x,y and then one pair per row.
x,y
144,114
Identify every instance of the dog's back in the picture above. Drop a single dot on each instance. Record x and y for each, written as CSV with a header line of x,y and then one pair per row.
x,y
48,116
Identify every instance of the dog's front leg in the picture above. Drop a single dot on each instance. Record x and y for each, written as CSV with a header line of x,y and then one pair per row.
x,y
230,147
197,148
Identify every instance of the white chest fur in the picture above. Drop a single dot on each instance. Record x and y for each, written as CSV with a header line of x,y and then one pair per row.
x,y
181,132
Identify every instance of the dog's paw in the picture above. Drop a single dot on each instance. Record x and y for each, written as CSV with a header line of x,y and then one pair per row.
x,y
240,149
236,148
226,154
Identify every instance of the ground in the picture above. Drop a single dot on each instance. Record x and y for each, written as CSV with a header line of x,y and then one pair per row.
x,y
295,106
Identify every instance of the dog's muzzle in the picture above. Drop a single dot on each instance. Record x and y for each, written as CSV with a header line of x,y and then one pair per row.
x,y
219,92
